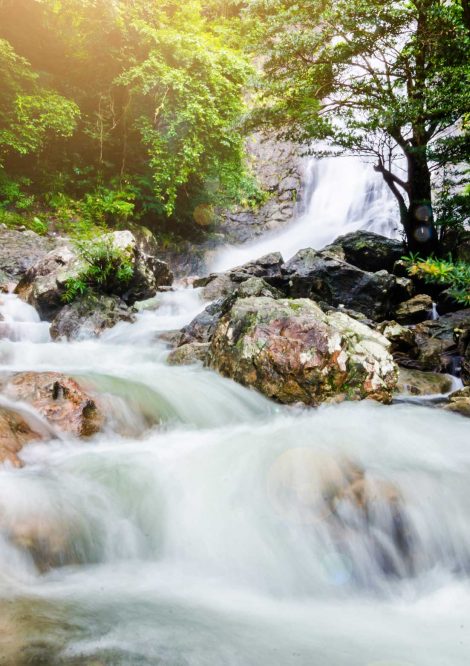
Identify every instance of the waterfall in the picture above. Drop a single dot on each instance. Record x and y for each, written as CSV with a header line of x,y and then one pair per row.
x,y
341,195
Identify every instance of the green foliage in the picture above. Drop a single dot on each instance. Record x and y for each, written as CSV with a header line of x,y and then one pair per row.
x,y
453,275
380,79
109,270
30,116
137,103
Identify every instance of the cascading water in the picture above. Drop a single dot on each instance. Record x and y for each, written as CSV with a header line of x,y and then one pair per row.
x,y
342,194
207,526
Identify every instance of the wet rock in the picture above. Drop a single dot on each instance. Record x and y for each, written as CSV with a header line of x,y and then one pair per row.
x,y
306,487
20,250
459,402
322,277
441,343
415,310
293,352
189,354
59,399
49,542
90,317
402,339
202,327
15,433
366,250
417,382
44,284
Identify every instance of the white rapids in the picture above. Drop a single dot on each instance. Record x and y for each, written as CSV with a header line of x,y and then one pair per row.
x,y
201,528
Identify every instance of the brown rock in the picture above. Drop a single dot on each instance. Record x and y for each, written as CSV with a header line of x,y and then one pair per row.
x,y
15,433
415,310
59,399
293,352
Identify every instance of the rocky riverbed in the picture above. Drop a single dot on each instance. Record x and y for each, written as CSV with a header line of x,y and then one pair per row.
x,y
284,439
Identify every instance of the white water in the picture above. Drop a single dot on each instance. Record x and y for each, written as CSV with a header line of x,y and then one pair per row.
x,y
201,529
343,194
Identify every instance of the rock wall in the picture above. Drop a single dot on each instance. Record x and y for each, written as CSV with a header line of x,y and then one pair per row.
x,y
280,172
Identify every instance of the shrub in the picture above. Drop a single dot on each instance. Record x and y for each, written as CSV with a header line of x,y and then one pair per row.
x,y
108,270
454,275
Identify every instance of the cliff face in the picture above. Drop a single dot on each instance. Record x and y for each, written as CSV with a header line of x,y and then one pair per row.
x,y
279,170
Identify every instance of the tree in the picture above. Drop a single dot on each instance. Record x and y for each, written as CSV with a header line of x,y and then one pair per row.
x,y
159,86
374,78
29,114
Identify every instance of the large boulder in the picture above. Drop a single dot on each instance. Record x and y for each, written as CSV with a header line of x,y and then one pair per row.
x,y
89,317
44,284
367,250
322,277
293,352
20,251
58,399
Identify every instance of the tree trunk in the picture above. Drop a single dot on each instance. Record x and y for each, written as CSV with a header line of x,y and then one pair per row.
x,y
418,218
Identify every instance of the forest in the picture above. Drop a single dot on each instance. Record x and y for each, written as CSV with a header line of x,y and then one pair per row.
x,y
118,111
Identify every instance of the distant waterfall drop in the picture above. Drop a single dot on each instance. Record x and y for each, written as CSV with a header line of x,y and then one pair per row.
x,y
341,195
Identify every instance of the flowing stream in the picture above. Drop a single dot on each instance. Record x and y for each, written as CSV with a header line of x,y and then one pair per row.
x,y
207,526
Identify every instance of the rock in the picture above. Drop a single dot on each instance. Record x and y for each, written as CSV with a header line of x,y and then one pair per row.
x,y
47,543
366,250
415,310
44,284
293,352
202,327
322,277
417,382
445,303
256,286
218,285
59,399
441,343
279,171
89,317
189,354
402,340
459,402
305,487
15,433
20,250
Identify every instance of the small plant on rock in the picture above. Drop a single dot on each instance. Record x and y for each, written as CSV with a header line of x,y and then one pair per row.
x,y
108,270
453,275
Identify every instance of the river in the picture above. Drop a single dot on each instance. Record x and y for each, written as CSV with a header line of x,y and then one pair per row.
x,y
197,523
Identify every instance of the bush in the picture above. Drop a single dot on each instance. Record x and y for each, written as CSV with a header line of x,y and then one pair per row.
x,y
109,270
452,275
